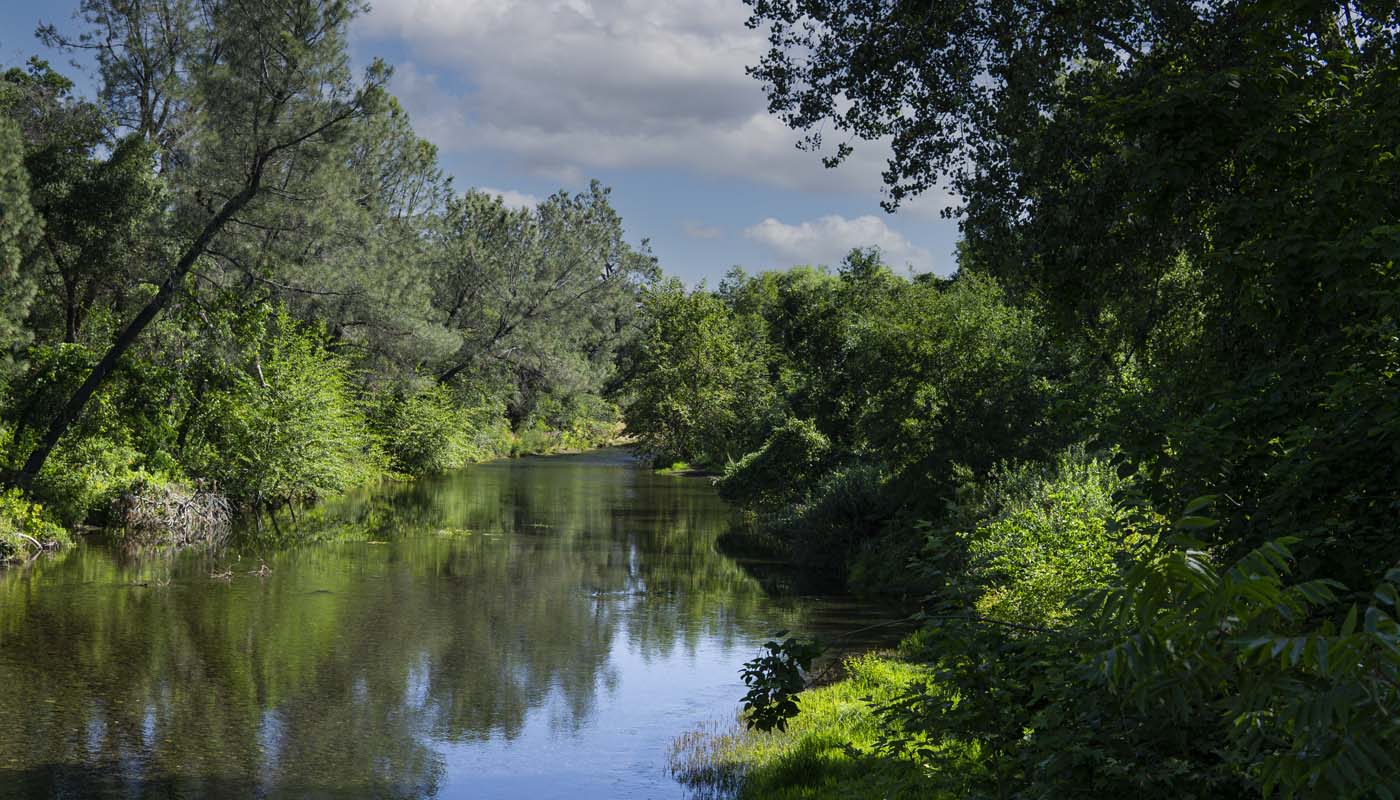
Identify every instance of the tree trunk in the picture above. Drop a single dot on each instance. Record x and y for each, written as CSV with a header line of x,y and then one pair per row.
x,y
75,405
196,403
454,371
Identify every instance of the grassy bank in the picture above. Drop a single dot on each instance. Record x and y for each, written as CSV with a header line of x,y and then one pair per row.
x,y
830,750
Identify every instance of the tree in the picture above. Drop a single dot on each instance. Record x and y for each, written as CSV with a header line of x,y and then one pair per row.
x,y
97,207
18,227
1200,198
697,386
541,297
143,51
350,247
922,374
270,89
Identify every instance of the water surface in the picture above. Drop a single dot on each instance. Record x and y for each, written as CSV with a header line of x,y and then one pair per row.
x,y
539,628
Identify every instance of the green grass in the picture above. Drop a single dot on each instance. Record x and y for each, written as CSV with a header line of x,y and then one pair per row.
x,y
685,469
827,752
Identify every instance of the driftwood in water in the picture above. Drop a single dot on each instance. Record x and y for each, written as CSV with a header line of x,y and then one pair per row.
x,y
172,514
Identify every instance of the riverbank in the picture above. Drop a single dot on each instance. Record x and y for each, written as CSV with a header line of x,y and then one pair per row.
x,y
25,530
829,751
150,510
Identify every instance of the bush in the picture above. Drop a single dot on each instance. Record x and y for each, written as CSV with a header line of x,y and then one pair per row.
x,y
120,439
286,429
419,432
534,440
26,528
1307,684
848,508
1046,532
84,475
780,472
1230,681
485,432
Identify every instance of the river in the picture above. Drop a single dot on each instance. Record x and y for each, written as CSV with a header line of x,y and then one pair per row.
x,y
535,628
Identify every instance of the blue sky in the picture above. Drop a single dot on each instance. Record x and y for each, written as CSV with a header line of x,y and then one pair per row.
x,y
527,97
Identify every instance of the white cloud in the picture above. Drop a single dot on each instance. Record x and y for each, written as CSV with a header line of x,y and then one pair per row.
x,y
563,87
828,239
510,197
699,230
929,206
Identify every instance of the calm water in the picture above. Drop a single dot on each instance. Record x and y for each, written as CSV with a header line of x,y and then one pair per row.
x,y
539,628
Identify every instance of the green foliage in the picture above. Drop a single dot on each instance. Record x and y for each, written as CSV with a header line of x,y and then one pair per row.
x,y
775,679
25,528
1189,214
1232,681
696,381
97,198
420,432
1308,684
85,475
848,509
1199,200
779,472
1045,533
18,231
825,753
940,374
573,421
286,427
123,438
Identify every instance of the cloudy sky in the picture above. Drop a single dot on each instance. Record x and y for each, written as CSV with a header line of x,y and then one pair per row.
x,y
524,97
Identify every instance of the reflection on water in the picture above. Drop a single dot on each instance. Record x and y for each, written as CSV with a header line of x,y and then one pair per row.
x,y
536,628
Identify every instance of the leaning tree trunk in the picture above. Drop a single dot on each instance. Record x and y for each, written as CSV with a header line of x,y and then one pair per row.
x,y
78,401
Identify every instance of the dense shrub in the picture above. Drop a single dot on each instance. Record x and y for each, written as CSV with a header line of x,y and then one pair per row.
x,y
1306,683
84,475
783,470
1230,679
418,431
25,527
125,435
485,431
848,508
1045,533
286,428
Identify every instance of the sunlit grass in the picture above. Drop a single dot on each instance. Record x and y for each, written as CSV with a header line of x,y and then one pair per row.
x,y
826,752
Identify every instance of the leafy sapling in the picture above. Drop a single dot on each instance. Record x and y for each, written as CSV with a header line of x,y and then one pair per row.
x,y
775,678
